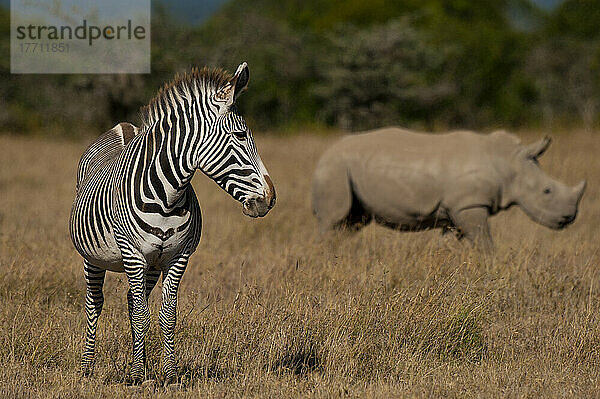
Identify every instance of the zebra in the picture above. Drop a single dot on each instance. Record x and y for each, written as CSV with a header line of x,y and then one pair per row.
x,y
136,212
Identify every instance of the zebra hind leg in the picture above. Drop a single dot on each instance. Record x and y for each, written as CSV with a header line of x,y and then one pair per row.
x,y
168,315
94,299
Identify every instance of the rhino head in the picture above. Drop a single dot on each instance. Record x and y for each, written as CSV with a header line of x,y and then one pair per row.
x,y
545,200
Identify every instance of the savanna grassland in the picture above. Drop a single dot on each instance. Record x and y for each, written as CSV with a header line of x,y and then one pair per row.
x,y
268,308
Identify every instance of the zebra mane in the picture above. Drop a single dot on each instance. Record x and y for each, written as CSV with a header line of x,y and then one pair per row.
x,y
187,82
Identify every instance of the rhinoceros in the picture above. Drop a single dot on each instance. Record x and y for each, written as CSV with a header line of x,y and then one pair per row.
x,y
414,181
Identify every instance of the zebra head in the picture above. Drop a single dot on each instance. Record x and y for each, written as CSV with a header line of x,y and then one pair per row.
x,y
233,162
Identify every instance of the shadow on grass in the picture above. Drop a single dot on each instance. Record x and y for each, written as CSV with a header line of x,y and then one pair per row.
x,y
192,372
299,363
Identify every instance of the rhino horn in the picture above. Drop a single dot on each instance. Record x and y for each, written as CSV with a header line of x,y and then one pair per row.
x,y
579,189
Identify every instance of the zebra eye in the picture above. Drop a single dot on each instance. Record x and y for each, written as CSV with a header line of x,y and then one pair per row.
x,y
239,134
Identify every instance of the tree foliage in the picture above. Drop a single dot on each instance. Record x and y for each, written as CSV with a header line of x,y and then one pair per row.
x,y
380,76
348,64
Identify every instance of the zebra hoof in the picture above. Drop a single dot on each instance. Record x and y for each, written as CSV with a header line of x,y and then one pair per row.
x,y
149,385
170,374
135,379
134,388
146,386
174,387
87,370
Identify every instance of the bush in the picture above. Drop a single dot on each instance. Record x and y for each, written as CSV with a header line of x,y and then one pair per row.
x,y
380,76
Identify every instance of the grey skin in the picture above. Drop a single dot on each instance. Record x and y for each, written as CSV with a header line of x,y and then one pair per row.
x,y
413,181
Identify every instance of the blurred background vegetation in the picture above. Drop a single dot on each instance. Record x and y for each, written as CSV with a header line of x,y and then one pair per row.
x,y
346,64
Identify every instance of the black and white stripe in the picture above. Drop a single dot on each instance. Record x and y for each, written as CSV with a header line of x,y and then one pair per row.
x,y
135,210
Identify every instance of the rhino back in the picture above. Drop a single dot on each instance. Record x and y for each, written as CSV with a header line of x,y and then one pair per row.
x,y
406,176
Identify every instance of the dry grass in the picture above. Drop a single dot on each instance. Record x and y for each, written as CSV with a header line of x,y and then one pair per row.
x,y
270,309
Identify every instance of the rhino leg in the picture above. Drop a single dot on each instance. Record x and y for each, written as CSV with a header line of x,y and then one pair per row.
x,y
331,197
473,225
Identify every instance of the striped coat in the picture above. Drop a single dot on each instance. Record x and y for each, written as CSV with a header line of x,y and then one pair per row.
x,y
135,210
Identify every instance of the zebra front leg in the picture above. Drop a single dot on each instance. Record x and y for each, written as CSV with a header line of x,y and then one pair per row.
x,y
168,314
152,277
139,315
94,299
151,280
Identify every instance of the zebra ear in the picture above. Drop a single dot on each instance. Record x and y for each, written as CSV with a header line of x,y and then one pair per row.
x,y
240,80
232,89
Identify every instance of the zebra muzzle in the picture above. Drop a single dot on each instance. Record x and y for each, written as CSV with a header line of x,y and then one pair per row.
x,y
255,207
260,206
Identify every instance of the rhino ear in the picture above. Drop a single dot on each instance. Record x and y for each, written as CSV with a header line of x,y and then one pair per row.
x,y
535,150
